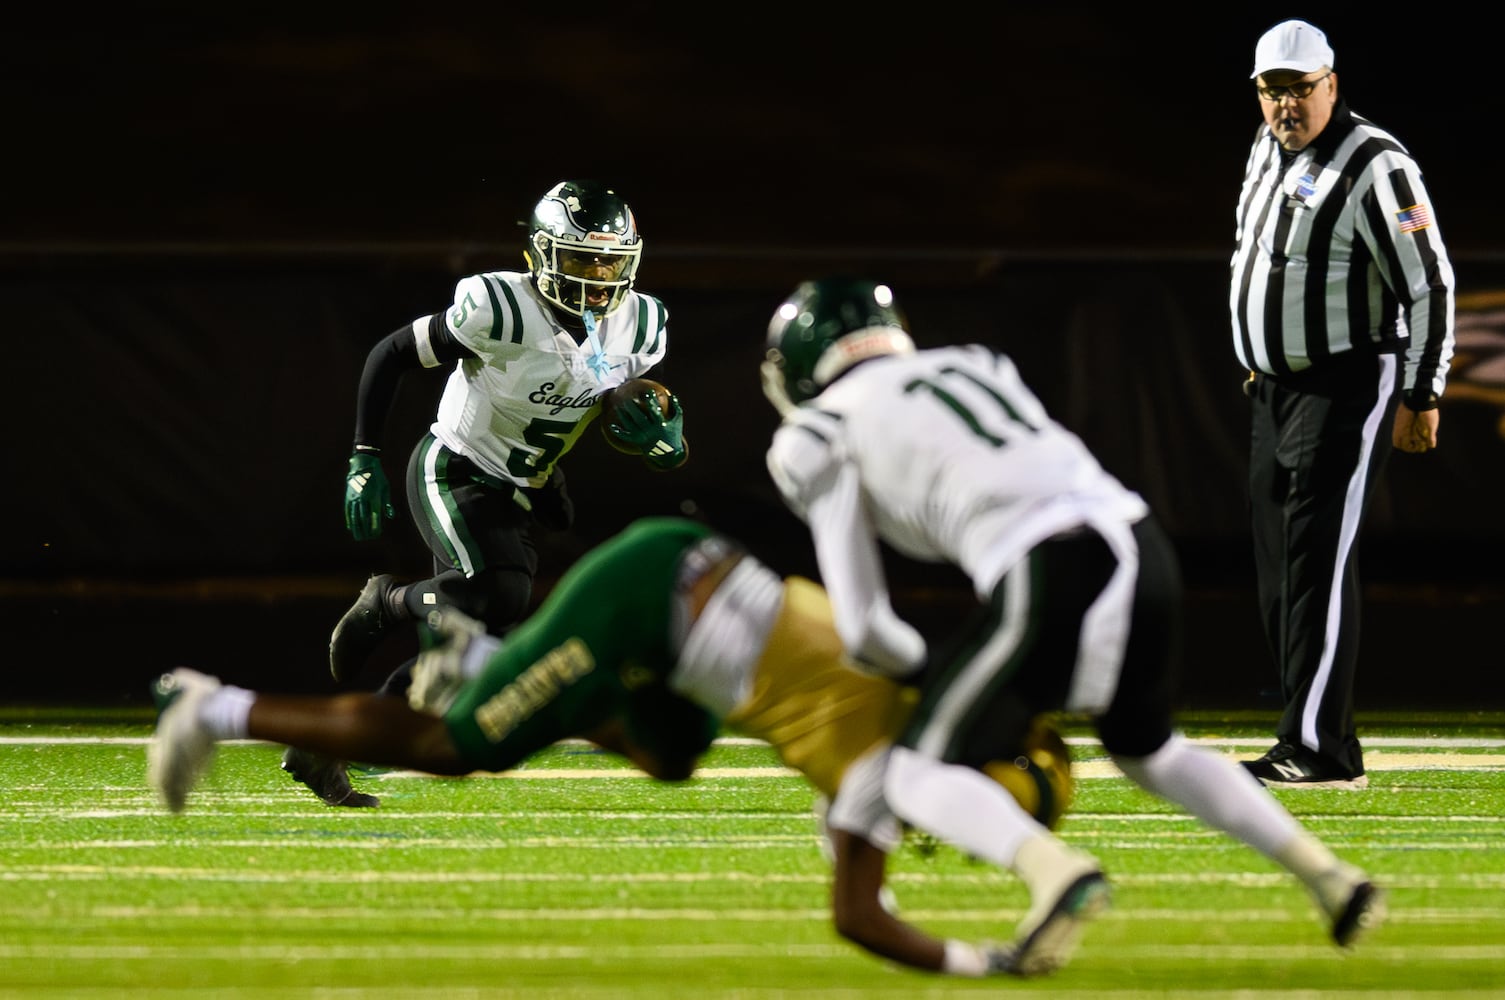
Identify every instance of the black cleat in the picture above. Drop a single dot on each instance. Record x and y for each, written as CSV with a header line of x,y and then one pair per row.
x,y
1288,765
360,630
327,777
1364,911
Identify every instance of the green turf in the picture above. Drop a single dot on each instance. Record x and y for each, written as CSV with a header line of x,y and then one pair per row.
x,y
611,886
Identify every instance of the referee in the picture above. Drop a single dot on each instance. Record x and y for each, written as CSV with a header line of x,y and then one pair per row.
x,y
1341,298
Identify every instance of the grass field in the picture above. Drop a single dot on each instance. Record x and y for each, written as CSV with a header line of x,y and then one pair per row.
x,y
577,878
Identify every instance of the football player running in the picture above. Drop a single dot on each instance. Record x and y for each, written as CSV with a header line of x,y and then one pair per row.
x,y
528,355
945,455
645,646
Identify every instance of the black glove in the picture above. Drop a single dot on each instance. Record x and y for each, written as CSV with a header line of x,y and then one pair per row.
x,y
552,506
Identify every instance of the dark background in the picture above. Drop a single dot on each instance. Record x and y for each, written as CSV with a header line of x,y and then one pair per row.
x,y
209,218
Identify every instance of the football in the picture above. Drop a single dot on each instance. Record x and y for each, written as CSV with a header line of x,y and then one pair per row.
x,y
627,394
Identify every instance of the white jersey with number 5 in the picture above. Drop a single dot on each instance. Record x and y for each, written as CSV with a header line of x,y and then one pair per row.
x,y
947,456
532,389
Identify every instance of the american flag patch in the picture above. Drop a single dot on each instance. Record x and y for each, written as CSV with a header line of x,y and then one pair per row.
x,y
1413,218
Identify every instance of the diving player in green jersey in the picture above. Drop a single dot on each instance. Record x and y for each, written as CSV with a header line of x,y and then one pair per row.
x,y
643,646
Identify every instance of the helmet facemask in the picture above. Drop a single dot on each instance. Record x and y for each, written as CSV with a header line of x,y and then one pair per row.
x,y
579,277
584,248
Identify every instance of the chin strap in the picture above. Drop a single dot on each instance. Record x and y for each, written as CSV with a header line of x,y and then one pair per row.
x,y
597,360
773,388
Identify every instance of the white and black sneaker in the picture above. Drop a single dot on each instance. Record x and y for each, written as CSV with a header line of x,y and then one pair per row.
x,y
181,749
1287,765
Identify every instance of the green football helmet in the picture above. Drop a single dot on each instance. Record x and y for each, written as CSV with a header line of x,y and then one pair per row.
x,y
583,248
824,328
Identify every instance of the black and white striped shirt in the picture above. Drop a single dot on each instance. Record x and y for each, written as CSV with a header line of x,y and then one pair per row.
x,y
1337,249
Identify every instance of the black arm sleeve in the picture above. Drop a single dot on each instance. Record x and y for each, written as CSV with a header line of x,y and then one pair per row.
x,y
394,356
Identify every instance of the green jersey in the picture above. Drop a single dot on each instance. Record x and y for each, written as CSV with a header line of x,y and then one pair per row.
x,y
599,647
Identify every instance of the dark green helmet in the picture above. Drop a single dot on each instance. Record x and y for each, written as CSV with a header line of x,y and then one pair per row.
x,y
824,328
583,248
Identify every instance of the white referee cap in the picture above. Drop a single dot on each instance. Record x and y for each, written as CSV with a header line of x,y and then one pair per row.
x,y
1293,45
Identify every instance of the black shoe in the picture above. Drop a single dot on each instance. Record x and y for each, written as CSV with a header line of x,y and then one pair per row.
x,y
327,777
358,633
1288,765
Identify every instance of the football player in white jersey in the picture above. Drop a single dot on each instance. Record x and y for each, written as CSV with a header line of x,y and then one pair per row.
x,y
945,455
529,354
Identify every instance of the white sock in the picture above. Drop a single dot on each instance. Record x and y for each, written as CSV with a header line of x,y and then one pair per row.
x,y
226,713
1047,866
1216,791
1330,880
961,805
1307,858
478,654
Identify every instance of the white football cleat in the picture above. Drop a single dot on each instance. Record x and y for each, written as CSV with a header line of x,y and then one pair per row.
x,y
1067,889
180,749
459,649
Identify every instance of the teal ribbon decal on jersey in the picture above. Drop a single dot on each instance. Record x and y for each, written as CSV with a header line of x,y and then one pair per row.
x,y
597,361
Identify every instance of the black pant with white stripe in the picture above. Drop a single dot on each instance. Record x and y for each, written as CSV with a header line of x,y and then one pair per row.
x,y
1319,442
1032,671
485,558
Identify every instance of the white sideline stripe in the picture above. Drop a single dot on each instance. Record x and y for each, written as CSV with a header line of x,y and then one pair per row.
x,y
522,774
36,811
1158,841
995,915
1375,762
1080,769
595,952
1261,742
1490,882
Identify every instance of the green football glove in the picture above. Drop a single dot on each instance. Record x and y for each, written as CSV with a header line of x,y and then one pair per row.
x,y
367,497
660,438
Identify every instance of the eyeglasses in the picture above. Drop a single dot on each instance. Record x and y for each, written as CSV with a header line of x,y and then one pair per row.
x,y
1300,90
